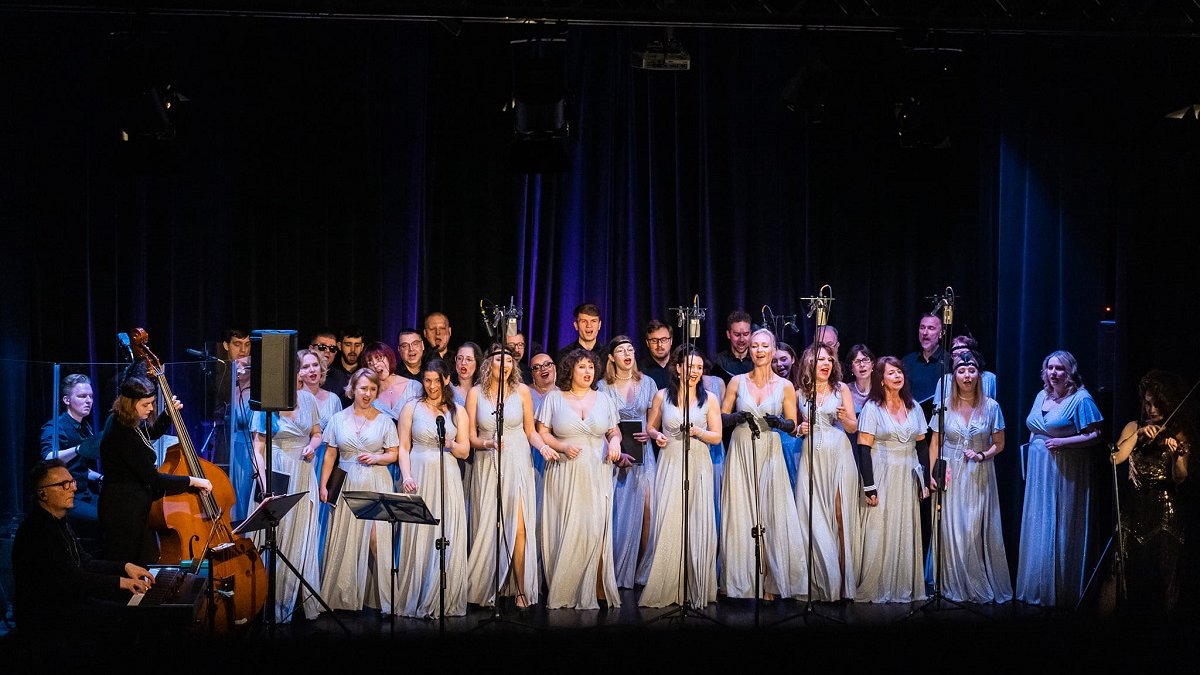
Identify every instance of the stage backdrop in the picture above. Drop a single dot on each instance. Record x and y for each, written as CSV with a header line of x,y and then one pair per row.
x,y
327,173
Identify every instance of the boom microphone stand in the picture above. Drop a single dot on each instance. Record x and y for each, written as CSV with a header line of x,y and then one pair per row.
x,y
936,602
820,306
691,317
509,317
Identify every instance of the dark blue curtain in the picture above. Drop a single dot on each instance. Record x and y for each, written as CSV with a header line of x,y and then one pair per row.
x,y
332,173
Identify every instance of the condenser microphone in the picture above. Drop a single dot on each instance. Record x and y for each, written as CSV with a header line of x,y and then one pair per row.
x,y
693,323
487,322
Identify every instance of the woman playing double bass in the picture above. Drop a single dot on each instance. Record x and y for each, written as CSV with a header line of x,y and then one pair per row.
x,y
132,481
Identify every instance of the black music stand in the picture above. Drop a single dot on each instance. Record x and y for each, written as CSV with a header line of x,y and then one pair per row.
x,y
267,516
389,507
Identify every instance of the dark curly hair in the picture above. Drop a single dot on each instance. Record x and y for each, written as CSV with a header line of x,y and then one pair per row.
x,y
566,367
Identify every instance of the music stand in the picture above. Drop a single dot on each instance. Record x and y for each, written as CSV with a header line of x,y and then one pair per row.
x,y
267,516
389,507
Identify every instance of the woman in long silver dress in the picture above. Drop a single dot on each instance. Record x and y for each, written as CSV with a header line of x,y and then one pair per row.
x,y
1064,427
428,473
633,490
756,490
362,441
666,426
891,424
974,567
836,497
518,569
295,438
580,426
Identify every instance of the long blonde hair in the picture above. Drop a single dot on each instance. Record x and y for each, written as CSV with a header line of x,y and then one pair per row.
x,y
513,380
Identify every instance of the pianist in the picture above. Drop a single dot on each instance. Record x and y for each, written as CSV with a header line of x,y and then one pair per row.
x,y
58,586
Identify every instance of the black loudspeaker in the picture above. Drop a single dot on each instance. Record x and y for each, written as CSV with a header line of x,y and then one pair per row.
x,y
273,370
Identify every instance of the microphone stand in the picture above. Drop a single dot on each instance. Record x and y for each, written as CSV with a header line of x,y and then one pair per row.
x,y
935,603
819,305
501,315
689,318
442,543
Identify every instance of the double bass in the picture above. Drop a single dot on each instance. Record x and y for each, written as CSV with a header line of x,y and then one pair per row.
x,y
187,522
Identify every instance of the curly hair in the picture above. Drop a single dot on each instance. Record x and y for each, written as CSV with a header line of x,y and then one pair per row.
x,y
566,368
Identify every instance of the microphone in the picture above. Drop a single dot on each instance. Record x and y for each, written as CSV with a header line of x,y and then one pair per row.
x,y
201,355
948,307
694,318
487,323
511,317
441,430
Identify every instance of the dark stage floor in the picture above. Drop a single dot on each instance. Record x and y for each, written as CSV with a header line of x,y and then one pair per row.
x,y
861,637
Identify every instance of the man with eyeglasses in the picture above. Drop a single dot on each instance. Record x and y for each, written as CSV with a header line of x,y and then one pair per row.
x,y
516,342
58,587
324,343
658,342
411,350
349,346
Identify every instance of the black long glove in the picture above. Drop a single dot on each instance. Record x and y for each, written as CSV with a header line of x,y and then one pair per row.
x,y
781,423
866,470
731,420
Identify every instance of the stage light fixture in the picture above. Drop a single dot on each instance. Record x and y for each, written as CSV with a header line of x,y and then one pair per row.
x,y
665,54
541,131
1192,110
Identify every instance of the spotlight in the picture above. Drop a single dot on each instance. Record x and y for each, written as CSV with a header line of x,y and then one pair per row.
x,y
541,131
1193,110
666,54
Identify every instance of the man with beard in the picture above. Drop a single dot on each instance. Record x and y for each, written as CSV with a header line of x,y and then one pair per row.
x,y
736,359
658,342
350,346
437,336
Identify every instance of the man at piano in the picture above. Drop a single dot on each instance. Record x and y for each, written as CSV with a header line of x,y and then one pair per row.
x,y
57,585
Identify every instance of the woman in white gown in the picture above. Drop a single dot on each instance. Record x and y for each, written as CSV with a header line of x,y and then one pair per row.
x,y
974,567
663,582
295,437
428,473
633,491
891,424
580,426
836,497
518,487
756,489
361,441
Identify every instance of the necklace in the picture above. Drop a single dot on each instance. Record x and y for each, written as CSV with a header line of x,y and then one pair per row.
x,y
578,397
143,435
626,379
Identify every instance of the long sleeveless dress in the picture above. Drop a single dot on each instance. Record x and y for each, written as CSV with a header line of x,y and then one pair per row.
x,y
298,531
835,474
577,512
418,585
974,564
518,492
326,409
348,580
890,568
1057,516
766,486
666,567
631,488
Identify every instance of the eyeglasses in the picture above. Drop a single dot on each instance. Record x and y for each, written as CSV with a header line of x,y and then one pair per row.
x,y
861,361
542,366
658,341
323,348
64,484
516,345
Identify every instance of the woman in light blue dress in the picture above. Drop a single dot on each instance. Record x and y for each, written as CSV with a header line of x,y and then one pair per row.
x,y
518,569
1064,426
756,489
836,497
666,423
633,491
428,473
312,378
295,439
974,566
580,426
891,424
362,441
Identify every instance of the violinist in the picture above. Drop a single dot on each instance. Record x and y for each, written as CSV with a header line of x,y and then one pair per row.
x,y
131,478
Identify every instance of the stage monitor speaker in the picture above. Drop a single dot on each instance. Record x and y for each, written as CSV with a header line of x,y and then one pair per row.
x,y
273,370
